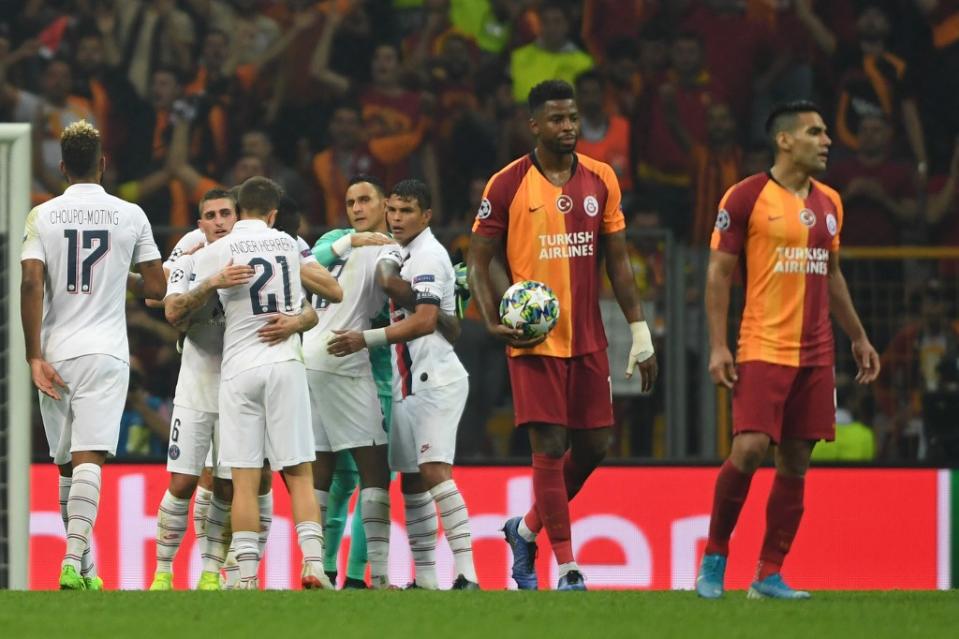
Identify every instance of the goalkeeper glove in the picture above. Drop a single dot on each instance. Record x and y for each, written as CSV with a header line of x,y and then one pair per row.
x,y
462,289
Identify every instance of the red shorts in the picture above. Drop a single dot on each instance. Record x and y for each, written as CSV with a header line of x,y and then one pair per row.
x,y
785,402
574,392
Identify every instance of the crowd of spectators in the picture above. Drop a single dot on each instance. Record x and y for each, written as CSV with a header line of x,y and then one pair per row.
x,y
672,93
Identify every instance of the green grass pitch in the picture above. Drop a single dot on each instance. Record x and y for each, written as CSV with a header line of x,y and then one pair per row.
x,y
484,615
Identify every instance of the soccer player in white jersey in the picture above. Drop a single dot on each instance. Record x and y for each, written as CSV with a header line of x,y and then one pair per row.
x,y
192,430
217,214
429,382
264,400
344,404
76,257
195,410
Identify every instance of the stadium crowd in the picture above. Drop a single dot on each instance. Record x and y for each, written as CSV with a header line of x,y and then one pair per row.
x,y
672,94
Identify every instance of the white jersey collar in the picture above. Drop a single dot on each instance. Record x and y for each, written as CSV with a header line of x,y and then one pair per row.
x,y
425,236
250,224
84,188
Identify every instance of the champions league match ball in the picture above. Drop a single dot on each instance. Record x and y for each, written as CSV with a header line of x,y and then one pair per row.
x,y
529,306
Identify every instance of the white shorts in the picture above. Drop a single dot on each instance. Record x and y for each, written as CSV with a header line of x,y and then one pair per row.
x,y
424,426
194,439
88,415
346,412
266,408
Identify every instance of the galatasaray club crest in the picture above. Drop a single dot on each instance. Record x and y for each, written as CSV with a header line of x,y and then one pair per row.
x,y
591,205
831,224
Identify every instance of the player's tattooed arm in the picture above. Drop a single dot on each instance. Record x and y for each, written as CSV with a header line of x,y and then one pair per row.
x,y
317,280
280,327
179,308
487,285
400,291
45,377
620,272
842,308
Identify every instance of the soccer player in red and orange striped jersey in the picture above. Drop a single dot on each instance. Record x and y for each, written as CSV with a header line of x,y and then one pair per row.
x,y
552,213
784,227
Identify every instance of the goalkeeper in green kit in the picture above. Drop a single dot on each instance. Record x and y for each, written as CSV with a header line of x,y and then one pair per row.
x,y
344,435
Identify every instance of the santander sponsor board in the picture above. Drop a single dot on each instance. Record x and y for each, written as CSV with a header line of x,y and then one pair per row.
x,y
638,528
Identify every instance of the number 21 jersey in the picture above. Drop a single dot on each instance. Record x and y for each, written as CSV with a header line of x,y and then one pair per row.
x,y
275,288
87,240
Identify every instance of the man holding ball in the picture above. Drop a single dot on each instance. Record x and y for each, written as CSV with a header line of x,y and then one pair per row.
x,y
548,216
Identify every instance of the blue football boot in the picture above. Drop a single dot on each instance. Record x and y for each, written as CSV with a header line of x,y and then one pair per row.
x,y
524,556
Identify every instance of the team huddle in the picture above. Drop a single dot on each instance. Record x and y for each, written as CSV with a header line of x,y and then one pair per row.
x,y
334,365
299,403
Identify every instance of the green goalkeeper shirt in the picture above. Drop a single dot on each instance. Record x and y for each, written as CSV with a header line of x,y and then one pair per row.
x,y
379,355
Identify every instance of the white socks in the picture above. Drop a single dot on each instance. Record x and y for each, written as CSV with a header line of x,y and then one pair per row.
x,y
322,498
265,502
201,504
310,536
82,505
247,555
376,524
525,532
231,567
565,568
456,526
171,526
87,567
218,532
421,528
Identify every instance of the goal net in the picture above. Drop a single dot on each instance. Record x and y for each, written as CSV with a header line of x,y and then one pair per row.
x,y
15,392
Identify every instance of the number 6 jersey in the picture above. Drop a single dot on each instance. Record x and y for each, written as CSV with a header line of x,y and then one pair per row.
x,y
275,288
87,240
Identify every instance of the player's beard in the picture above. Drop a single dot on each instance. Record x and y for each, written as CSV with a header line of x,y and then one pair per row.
x,y
561,148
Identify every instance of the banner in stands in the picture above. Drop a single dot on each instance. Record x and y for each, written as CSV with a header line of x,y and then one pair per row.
x,y
633,528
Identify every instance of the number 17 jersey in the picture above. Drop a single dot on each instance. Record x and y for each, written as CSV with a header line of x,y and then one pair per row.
x,y
87,240
274,289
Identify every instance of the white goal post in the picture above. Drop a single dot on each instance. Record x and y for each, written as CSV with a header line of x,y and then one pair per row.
x,y
15,421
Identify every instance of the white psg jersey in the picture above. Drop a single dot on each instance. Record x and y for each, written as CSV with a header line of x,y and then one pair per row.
x,y
427,361
187,244
275,288
87,239
198,385
362,300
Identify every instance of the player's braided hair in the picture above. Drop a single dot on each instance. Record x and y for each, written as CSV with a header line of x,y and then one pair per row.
x,y
413,190
549,90
80,149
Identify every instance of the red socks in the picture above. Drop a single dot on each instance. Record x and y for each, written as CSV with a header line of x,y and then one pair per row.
x,y
784,511
574,477
552,505
732,486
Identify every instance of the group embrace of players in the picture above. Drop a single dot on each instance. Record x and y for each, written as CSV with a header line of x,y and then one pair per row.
x,y
299,404
336,363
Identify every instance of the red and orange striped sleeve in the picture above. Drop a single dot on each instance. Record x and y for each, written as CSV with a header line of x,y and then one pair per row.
x,y
613,218
492,219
